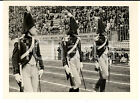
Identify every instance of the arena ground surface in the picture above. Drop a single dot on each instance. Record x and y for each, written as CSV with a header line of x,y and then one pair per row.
x,y
54,79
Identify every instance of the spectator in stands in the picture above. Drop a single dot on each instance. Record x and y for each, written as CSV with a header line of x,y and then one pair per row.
x,y
86,17
124,57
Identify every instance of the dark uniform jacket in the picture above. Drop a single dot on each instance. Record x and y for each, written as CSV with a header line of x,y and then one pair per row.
x,y
102,41
20,48
67,44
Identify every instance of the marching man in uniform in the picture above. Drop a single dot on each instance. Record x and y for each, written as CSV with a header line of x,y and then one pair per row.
x,y
72,55
101,64
26,59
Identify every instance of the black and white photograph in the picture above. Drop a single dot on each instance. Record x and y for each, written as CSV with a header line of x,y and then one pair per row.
x,y
69,49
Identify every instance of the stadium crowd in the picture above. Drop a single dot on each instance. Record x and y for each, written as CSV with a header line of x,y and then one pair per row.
x,y
117,18
50,20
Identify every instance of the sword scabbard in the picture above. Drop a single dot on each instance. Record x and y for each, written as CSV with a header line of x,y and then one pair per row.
x,y
20,67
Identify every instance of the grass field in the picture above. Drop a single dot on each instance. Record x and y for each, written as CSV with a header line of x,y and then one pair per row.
x,y
54,79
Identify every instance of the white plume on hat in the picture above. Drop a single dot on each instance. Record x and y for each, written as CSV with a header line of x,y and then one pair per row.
x,y
28,8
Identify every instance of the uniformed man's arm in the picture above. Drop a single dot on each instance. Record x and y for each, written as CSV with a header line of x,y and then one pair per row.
x,y
39,57
64,59
64,54
80,51
16,59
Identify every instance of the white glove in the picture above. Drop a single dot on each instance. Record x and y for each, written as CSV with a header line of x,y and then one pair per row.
x,y
40,72
18,77
81,66
110,62
67,69
97,65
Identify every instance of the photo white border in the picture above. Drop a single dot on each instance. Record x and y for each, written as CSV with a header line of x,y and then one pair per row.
x,y
133,11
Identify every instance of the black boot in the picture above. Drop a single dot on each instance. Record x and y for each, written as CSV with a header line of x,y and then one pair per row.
x,y
71,90
103,84
21,88
97,85
76,90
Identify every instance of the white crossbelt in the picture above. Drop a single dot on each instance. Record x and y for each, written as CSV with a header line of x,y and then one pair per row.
x,y
32,61
29,50
71,50
102,44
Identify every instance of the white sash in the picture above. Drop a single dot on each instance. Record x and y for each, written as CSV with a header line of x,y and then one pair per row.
x,y
70,51
102,44
29,50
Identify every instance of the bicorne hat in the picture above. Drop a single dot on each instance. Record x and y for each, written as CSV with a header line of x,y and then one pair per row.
x,y
73,26
28,22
